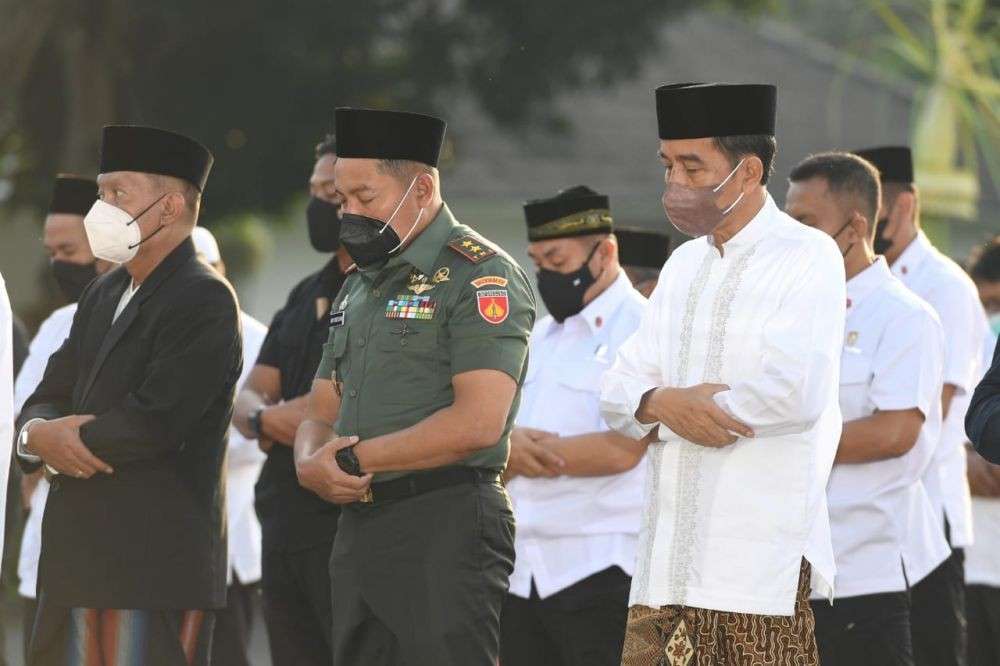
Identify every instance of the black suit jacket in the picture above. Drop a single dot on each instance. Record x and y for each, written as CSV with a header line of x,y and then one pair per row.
x,y
160,381
982,421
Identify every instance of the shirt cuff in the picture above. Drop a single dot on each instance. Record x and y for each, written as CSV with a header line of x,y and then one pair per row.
x,y
22,453
633,398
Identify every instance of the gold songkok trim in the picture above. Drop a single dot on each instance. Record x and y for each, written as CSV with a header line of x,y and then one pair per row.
x,y
588,221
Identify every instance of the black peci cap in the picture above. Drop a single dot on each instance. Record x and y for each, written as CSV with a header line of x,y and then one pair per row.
x,y
642,248
700,110
389,135
894,163
73,195
152,150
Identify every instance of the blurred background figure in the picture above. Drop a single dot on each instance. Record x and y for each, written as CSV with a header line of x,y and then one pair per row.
x,y
243,463
642,253
298,527
982,565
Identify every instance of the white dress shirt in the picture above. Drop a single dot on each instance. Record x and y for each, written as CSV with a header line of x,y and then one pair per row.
x,y
945,286
569,528
982,556
52,333
6,395
726,528
243,466
880,516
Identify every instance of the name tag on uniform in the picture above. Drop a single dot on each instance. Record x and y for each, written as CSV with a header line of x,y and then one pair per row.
x,y
337,318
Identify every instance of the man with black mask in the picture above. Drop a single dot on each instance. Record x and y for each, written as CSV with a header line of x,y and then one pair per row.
x,y
938,614
73,267
297,527
578,489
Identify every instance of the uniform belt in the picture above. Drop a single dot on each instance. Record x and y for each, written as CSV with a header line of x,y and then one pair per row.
x,y
424,482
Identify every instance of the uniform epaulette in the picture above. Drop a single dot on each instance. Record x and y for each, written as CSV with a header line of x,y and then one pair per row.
x,y
472,248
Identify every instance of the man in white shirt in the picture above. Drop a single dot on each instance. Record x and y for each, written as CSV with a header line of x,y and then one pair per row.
x,y
885,531
938,612
577,532
982,566
642,253
73,267
243,463
733,374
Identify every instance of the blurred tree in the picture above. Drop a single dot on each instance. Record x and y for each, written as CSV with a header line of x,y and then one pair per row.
x,y
257,81
952,47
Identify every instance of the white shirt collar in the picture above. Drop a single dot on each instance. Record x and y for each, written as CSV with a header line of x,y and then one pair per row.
x,y
754,230
599,311
867,281
913,256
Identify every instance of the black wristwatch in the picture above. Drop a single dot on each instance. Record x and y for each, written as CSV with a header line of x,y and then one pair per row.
x,y
254,421
347,460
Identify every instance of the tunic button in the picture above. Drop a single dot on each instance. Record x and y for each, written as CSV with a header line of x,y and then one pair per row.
x,y
402,343
377,293
354,393
361,342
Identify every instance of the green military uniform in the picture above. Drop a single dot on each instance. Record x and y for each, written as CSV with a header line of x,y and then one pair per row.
x,y
421,580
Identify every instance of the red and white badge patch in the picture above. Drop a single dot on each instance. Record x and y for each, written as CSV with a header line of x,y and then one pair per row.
x,y
493,305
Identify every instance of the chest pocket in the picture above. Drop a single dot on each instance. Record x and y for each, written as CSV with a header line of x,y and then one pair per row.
x,y
336,351
855,383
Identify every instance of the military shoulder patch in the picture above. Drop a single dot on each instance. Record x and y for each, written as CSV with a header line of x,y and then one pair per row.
x,y
472,249
489,281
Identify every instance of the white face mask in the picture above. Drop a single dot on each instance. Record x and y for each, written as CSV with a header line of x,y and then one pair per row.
x,y
113,234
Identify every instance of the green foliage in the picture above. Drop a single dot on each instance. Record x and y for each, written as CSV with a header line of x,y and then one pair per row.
x,y
257,81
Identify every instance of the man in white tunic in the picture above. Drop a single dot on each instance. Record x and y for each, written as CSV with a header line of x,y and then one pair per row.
x,y
733,374
885,531
938,613
577,532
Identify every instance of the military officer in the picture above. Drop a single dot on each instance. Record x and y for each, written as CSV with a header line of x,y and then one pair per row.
x,y
410,414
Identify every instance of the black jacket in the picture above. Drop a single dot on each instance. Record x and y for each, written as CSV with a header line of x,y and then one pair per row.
x,y
982,421
160,381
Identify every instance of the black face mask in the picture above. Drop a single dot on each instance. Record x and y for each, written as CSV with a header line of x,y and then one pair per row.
x,y
73,278
370,242
562,293
324,224
881,245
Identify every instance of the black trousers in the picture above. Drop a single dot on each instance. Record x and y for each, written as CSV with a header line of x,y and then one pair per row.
x,y
982,604
869,630
583,625
421,581
232,626
937,615
296,589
